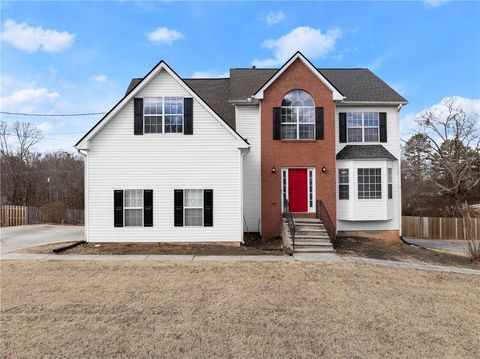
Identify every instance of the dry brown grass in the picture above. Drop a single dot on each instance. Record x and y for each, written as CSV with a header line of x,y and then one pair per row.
x,y
241,310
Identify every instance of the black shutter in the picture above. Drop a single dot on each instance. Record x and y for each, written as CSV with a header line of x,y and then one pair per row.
x,y
208,207
138,116
148,208
178,207
342,126
188,116
118,208
383,126
319,123
277,127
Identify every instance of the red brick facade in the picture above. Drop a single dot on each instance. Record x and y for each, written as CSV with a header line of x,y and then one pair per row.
x,y
304,153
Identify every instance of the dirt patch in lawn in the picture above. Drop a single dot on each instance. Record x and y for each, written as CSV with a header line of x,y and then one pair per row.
x,y
252,246
235,310
398,251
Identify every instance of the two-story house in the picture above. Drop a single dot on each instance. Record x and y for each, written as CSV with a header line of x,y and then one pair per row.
x,y
205,160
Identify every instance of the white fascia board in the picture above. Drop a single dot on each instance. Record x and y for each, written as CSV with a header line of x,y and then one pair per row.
x,y
371,103
84,143
337,96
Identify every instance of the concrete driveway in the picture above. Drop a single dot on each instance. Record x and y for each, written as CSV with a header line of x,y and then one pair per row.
x,y
459,247
21,237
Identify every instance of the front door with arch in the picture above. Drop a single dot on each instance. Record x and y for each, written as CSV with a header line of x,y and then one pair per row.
x,y
298,187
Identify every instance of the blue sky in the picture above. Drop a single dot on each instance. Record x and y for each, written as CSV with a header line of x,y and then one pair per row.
x,y
69,57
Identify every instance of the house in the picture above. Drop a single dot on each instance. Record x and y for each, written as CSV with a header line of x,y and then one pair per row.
x,y
205,160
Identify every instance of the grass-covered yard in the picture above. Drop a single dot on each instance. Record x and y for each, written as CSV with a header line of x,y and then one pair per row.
x,y
129,309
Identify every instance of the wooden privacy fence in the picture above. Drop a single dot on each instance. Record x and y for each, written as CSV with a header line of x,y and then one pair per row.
x,y
441,228
21,215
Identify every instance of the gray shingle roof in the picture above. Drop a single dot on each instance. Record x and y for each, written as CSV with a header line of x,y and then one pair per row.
x,y
353,152
355,84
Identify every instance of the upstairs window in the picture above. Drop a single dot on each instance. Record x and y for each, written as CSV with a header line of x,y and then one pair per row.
x,y
163,114
362,126
297,116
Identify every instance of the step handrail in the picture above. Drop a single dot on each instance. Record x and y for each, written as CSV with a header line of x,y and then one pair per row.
x,y
287,214
324,216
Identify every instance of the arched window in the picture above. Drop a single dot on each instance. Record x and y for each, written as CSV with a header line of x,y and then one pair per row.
x,y
298,116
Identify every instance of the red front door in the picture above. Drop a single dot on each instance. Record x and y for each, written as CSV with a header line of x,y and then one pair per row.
x,y
297,189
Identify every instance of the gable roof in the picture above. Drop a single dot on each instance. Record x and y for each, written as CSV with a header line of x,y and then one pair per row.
x,y
337,95
137,84
356,152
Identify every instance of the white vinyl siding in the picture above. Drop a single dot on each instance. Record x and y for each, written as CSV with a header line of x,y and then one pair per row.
x,y
248,125
371,214
209,158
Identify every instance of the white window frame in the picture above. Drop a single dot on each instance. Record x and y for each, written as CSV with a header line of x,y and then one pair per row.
x,y
311,190
162,115
347,184
125,208
185,207
381,185
363,127
297,122
389,182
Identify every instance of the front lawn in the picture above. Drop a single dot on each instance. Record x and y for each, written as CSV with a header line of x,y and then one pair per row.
x,y
241,310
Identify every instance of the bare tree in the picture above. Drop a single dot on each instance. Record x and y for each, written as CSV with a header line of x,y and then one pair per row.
x,y
453,150
16,142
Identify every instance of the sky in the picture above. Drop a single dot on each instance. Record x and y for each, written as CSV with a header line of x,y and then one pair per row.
x,y
78,57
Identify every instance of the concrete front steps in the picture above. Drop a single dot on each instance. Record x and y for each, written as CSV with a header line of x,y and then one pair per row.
x,y
310,236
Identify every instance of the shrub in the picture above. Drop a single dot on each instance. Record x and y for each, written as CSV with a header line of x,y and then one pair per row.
x,y
473,250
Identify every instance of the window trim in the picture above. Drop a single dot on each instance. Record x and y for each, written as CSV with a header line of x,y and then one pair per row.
x,y
163,116
297,118
185,207
363,127
125,208
389,183
347,184
369,183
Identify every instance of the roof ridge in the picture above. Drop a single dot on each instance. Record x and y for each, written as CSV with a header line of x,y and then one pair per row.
x,y
205,78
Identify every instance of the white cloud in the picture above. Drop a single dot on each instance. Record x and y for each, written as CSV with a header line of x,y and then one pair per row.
x,y
435,3
44,126
274,17
409,122
27,96
99,78
209,74
311,42
378,62
164,35
31,39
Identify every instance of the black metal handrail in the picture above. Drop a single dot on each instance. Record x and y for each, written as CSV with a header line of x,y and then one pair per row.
x,y
287,214
323,215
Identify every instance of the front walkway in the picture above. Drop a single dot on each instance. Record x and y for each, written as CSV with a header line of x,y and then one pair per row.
x,y
299,257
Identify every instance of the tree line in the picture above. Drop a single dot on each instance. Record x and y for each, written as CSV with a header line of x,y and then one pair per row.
x,y
441,163
30,178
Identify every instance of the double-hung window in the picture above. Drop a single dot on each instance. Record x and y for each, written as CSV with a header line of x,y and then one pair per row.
x,y
390,183
369,183
163,114
133,207
343,184
193,207
297,116
362,126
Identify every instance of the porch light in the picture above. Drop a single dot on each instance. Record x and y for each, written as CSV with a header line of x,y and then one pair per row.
x,y
324,169
273,169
